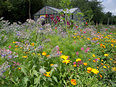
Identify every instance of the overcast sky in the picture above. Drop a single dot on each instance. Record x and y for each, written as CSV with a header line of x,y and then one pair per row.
x,y
109,5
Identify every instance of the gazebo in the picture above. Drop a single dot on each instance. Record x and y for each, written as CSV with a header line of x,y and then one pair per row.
x,y
52,14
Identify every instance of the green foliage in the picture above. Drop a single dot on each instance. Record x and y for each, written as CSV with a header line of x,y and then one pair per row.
x,y
65,4
12,9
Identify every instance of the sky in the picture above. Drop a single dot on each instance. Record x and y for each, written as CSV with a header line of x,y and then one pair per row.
x,y
109,5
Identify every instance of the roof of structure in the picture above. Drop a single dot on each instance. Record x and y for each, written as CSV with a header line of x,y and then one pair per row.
x,y
55,10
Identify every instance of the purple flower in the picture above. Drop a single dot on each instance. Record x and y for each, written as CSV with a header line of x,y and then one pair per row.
x,y
41,28
40,47
10,56
3,55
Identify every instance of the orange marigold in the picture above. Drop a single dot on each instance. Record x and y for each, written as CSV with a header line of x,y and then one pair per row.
x,y
85,64
100,75
32,44
44,53
89,69
73,82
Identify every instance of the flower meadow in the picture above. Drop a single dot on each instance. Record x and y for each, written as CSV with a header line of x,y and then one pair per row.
x,y
32,55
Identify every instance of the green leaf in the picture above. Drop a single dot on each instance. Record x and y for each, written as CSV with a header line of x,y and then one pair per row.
x,y
25,79
44,78
35,72
50,79
37,80
55,79
23,69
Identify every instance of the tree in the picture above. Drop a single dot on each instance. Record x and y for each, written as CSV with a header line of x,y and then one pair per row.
x,y
97,8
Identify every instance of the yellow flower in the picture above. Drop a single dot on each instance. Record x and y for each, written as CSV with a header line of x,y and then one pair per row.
x,y
14,42
85,64
89,69
110,58
66,61
51,64
32,44
47,74
33,53
64,57
98,58
88,38
95,71
112,45
60,51
101,60
104,46
44,53
75,33
19,68
24,56
74,65
106,54
93,55
104,67
113,68
16,45
74,37
73,82
78,60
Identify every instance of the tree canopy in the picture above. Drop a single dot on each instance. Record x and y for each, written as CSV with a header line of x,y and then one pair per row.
x,y
20,10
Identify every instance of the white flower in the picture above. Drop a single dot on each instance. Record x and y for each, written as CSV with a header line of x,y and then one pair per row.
x,y
55,65
42,70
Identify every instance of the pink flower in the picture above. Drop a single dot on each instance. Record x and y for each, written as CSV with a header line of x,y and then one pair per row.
x,y
9,46
96,59
87,50
14,62
82,48
68,23
84,32
77,53
18,64
74,63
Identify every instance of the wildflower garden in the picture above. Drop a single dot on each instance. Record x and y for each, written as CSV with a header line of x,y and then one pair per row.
x,y
32,55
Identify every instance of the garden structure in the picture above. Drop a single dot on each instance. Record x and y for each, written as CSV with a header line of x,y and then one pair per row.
x,y
53,14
